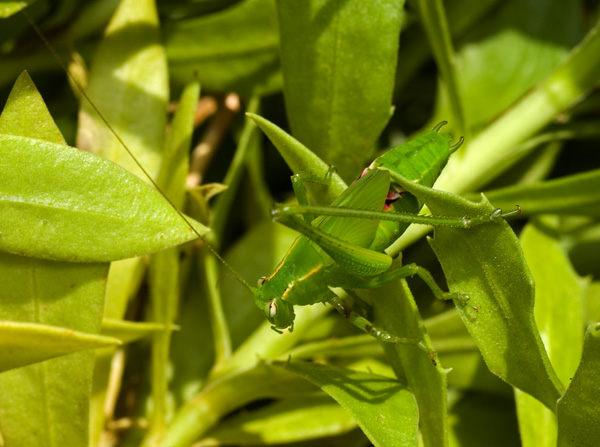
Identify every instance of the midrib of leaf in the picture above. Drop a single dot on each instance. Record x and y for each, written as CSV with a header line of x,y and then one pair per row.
x,y
334,79
41,368
239,51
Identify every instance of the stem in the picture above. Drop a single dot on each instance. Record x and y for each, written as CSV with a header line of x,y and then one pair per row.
x,y
485,158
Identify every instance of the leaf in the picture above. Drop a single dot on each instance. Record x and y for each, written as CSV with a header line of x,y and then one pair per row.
x,y
229,392
459,355
128,83
397,312
129,331
486,264
47,403
22,344
490,153
283,422
25,106
491,73
559,316
233,49
302,161
8,8
578,410
339,61
382,407
63,204
575,194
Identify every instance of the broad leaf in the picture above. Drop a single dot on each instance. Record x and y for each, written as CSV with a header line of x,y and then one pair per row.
x,y
338,57
233,49
47,403
63,204
382,407
486,264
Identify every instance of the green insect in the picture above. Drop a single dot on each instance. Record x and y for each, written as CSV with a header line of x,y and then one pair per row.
x,y
344,246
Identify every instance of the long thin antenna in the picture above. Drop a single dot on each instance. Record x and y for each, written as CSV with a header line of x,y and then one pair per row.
x,y
79,87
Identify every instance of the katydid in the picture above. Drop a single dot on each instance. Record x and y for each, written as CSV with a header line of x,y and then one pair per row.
x,y
343,247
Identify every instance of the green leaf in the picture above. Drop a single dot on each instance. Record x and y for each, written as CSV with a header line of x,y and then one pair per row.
x,y
559,316
339,61
575,194
8,8
459,355
486,264
382,407
283,422
490,153
63,204
22,344
128,83
25,106
46,404
434,21
491,73
302,161
233,49
229,392
578,410
129,331
396,310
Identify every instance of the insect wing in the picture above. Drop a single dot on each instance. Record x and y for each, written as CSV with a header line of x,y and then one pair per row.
x,y
366,193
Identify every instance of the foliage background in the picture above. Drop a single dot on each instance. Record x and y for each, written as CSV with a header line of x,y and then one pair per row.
x,y
503,74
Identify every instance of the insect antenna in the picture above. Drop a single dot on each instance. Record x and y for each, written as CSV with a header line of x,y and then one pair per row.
x,y
81,90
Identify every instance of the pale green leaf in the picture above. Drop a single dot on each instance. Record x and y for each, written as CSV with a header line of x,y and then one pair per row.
x,y
304,162
64,204
559,317
128,83
22,344
8,8
25,106
578,410
46,404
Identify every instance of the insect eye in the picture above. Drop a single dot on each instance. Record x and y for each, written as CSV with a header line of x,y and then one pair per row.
x,y
272,309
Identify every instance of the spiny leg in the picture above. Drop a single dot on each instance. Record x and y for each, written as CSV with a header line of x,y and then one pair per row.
x,y
365,325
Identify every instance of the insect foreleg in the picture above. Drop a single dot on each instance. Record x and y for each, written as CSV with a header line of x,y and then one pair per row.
x,y
312,189
365,325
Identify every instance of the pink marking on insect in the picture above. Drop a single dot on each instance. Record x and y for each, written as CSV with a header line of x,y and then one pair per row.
x,y
392,197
